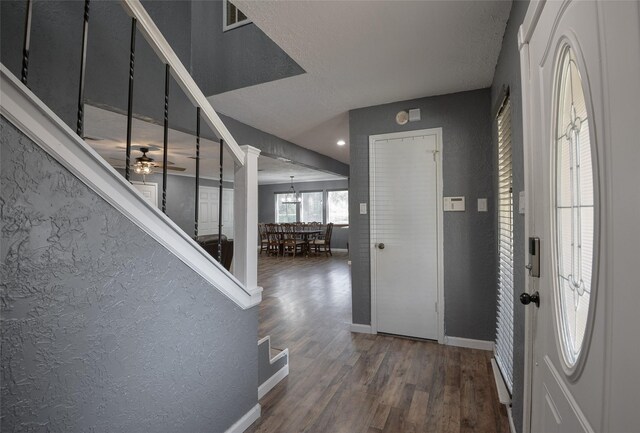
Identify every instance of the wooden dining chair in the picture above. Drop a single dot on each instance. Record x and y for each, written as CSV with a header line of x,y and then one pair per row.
x,y
273,239
290,241
264,238
312,237
324,241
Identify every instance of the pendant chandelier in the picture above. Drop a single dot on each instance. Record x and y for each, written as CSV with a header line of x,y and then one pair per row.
x,y
292,197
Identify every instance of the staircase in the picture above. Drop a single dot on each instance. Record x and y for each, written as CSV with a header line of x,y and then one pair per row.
x,y
114,318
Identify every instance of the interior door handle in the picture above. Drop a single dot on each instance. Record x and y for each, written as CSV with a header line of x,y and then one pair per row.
x,y
381,246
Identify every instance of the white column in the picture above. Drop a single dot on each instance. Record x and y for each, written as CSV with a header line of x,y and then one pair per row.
x,y
245,212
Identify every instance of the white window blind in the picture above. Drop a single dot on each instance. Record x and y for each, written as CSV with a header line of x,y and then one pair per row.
x,y
504,333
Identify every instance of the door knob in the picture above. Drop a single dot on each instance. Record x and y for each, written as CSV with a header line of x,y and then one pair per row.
x,y
526,298
381,246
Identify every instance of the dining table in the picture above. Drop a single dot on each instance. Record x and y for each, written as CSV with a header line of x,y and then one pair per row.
x,y
302,233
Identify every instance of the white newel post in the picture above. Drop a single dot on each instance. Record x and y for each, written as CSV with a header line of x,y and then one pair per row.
x,y
245,208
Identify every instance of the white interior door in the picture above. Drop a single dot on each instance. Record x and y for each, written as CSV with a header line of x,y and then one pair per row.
x,y
570,187
227,212
148,190
208,211
405,232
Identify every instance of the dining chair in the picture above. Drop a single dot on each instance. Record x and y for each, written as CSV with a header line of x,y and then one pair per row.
x,y
264,238
290,241
273,238
324,241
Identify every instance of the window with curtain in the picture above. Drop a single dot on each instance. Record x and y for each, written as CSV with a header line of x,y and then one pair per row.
x,y
338,207
504,332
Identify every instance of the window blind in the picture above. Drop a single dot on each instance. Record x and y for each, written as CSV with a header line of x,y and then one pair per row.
x,y
504,333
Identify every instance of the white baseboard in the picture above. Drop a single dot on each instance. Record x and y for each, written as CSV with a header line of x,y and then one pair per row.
x,y
270,383
469,343
340,250
503,392
243,423
512,426
361,329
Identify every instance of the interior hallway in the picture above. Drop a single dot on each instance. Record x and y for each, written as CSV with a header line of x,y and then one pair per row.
x,y
345,382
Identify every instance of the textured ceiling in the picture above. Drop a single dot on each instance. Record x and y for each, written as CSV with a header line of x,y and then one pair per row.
x,y
105,133
363,53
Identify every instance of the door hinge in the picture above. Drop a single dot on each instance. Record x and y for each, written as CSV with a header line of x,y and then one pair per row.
x,y
436,307
435,152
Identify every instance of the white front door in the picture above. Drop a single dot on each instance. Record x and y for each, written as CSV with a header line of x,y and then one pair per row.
x,y
580,70
406,232
148,190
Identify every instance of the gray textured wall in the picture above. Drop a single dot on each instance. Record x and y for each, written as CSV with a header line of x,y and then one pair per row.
x,y
237,58
469,237
103,329
267,211
507,75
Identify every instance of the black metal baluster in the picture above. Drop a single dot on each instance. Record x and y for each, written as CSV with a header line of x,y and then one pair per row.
x,y
83,59
165,160
220,205
197,170
27,42
132,58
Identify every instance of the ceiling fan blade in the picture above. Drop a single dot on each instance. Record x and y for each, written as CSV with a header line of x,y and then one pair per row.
x,y
176,168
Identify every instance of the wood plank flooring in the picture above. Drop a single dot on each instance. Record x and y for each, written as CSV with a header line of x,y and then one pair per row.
x,y
345,382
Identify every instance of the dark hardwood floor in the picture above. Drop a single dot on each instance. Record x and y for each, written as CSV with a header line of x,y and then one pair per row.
x,y
345,382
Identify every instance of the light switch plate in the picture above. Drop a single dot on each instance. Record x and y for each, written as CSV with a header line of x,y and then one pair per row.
x,y
363,208
482,205
454,204
521,203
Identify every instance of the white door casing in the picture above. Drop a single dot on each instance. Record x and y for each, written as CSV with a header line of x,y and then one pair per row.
x,y
596,391
149,191
405,179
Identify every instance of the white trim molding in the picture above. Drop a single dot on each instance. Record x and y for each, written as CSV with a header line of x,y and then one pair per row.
x,y
270,383
361,329
29,114
275,379
245,422
469,343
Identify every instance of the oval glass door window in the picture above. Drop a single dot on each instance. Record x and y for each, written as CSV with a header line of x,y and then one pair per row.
x,y
574,211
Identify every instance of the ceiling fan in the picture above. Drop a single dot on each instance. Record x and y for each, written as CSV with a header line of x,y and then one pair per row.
x,y
145,165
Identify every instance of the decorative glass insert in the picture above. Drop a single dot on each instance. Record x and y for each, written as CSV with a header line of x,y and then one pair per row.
x,y
574,205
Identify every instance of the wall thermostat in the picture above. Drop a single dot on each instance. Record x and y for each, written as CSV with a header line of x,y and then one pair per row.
x,y
454,204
